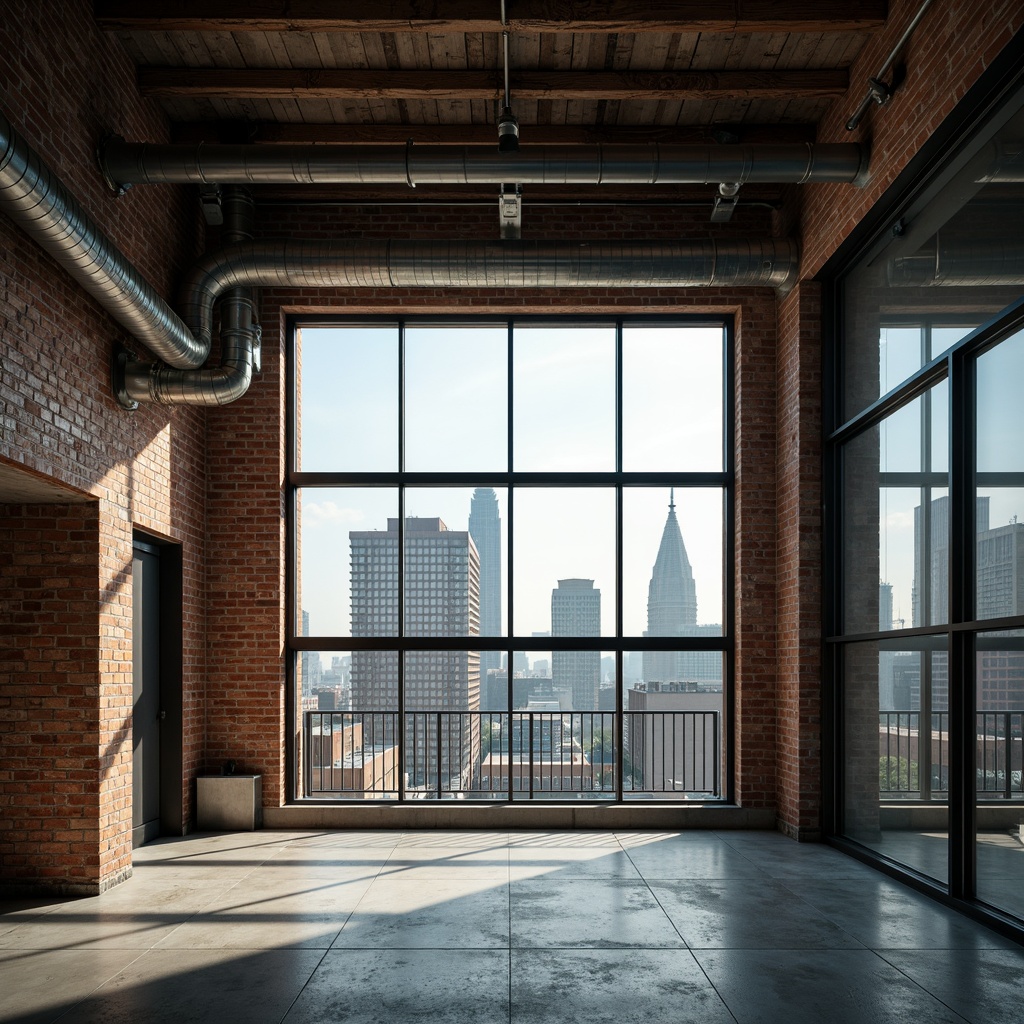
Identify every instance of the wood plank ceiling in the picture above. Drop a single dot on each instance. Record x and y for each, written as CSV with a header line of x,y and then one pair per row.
x,y
432,71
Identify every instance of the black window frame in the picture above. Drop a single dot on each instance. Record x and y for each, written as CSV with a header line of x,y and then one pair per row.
x,y
511,479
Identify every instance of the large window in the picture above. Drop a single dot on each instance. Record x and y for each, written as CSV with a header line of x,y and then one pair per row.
x,y
928,528
510,559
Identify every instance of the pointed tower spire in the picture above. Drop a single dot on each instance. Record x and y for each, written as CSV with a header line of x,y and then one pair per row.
x,y
671,597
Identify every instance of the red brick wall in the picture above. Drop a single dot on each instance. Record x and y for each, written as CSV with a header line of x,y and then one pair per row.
x,y
950,48
799,582
50,695
64,86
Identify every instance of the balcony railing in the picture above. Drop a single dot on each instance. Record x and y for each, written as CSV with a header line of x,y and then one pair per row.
x,y
519,755
916,766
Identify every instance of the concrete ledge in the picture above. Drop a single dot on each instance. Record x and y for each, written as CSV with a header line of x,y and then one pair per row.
x,y
457,815
935,817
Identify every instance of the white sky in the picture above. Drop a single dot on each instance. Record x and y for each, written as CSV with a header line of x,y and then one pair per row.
x,y
1000,447
563,419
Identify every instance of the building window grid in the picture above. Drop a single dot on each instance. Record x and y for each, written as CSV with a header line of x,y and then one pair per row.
x,y
413,549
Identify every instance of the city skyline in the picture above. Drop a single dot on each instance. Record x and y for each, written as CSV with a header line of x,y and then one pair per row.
x,y
560,533
462,396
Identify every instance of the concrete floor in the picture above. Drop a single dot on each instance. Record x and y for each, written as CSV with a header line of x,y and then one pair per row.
x,y
502,927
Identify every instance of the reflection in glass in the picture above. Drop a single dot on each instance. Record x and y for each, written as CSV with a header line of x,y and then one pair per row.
x,y
347,568
564,536
672,393
999,768
564,394
456,398
1000,502
900,354
896,750
672,561
347,398
896,536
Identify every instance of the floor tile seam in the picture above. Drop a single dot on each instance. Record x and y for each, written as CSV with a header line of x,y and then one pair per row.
x,y
661,907
101,984
792,894
795,894
916,983
303,986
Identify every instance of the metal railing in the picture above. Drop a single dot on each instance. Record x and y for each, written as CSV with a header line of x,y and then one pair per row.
x,y
916,766
518,755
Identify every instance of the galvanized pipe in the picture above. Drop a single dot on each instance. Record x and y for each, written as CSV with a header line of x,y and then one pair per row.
x,y
508,264
125,164
984,261
37,200
217,385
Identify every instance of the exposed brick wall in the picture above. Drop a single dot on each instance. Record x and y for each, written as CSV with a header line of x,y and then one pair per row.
x,y
950,48
754,575
65,85
799,586
50,696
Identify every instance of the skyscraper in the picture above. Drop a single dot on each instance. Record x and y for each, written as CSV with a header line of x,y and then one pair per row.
x,y
671,600
576,611
485,529
442,598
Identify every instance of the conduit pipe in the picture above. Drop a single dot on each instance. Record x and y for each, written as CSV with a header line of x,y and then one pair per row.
x,y
34,197
456,264
960,262
125,164
136,382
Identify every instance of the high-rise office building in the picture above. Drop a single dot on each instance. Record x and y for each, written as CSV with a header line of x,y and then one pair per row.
x,y
442,599
485,529
309,666
576,611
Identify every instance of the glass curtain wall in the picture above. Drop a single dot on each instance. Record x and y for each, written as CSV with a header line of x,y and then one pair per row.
x,y
509,559
927,539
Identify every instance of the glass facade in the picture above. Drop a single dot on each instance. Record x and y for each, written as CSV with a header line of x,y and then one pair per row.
x,y
519,584
928,473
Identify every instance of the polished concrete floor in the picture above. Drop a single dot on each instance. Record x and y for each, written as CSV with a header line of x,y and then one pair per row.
x,y
502,927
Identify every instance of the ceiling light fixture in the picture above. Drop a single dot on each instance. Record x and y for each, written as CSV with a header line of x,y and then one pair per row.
x,y
508,126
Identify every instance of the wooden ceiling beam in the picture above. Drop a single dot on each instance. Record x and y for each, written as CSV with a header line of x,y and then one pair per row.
x,y
726,16
270,83
292,133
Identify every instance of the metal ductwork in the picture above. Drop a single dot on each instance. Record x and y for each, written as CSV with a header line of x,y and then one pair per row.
x,y
125,164
34,197
960,262
509,264
220,385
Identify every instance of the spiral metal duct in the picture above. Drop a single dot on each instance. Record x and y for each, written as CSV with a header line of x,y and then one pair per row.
x,y
126,163
508,264
218,385
34,197
960,262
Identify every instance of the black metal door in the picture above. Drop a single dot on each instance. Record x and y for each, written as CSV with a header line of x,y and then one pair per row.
x,y
147,711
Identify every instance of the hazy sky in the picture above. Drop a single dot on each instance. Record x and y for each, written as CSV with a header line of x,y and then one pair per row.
x,y
1000,377
456,381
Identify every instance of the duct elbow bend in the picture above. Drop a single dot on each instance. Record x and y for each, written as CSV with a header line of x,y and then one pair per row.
x,y
156,383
